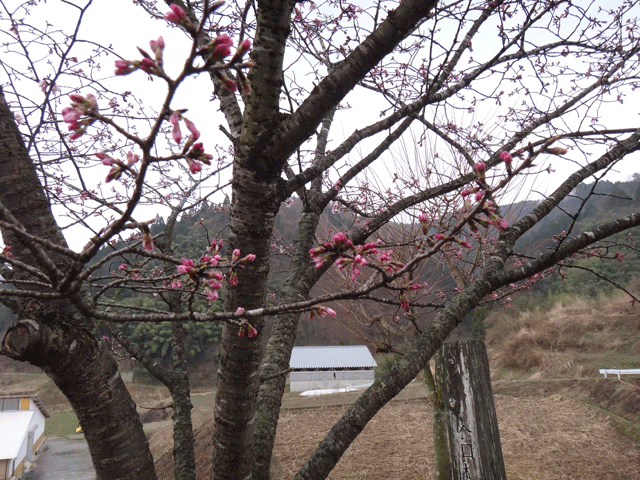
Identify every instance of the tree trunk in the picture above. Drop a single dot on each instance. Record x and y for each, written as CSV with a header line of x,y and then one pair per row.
x,y
183,437
278,352
254,204
53,335
474,438
252,217
440,437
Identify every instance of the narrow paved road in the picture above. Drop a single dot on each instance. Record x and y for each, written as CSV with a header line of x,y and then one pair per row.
x,y
63,458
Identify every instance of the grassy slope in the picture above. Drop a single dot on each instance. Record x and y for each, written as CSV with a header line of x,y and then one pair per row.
x,y
559,352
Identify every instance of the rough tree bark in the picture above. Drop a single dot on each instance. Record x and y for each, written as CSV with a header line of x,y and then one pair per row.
x,y
261,154
440,437
52,334
254,205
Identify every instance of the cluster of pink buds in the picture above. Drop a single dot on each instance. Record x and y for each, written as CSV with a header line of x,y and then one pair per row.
x,y
176,133
507,159
80,114
148,64
6,251
193,153
246,329
117,166
339,246
220,48
178,16
212,278
204,268
493,219
481,170
217,49
321,312
147,239
424,223
236,261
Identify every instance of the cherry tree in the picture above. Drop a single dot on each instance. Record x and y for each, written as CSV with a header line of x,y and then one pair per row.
x,y
314,98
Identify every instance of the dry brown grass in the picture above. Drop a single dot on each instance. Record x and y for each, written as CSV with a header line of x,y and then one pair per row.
x,y
549,343
543,438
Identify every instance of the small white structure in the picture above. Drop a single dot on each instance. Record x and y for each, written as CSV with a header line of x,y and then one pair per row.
x,y
616,371
22,417
331,367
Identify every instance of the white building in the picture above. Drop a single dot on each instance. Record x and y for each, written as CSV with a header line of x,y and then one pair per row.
x,y
316,368
22,417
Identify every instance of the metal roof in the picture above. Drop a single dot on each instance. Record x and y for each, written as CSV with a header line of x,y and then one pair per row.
x,y
13,428
331,357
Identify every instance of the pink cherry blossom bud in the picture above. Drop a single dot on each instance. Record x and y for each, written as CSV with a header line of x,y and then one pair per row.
x,y
241,331
92,102
244,82
77,133
557,150
176,133
500,224
235,255
465,192
114,174
230,85
220,51
124,67
240,310
479,195
122,267
438,236
176,15
147,242
233,278
480,167
404,303
148,65
194,167
70,115
131,158
212,295
192,128
106,159
157,47
79,99
506,157
252,331
187,266
250,258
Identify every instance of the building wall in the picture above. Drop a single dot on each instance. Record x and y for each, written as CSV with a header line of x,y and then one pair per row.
x,y
5,469
329,379
21,458
14,467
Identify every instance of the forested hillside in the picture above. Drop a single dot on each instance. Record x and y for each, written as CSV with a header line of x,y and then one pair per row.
x,y
614,264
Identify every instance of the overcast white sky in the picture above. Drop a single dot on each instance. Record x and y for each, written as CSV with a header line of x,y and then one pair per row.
x,y
126,26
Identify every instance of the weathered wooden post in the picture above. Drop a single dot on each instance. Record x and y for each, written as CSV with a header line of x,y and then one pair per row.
x,y
474,439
